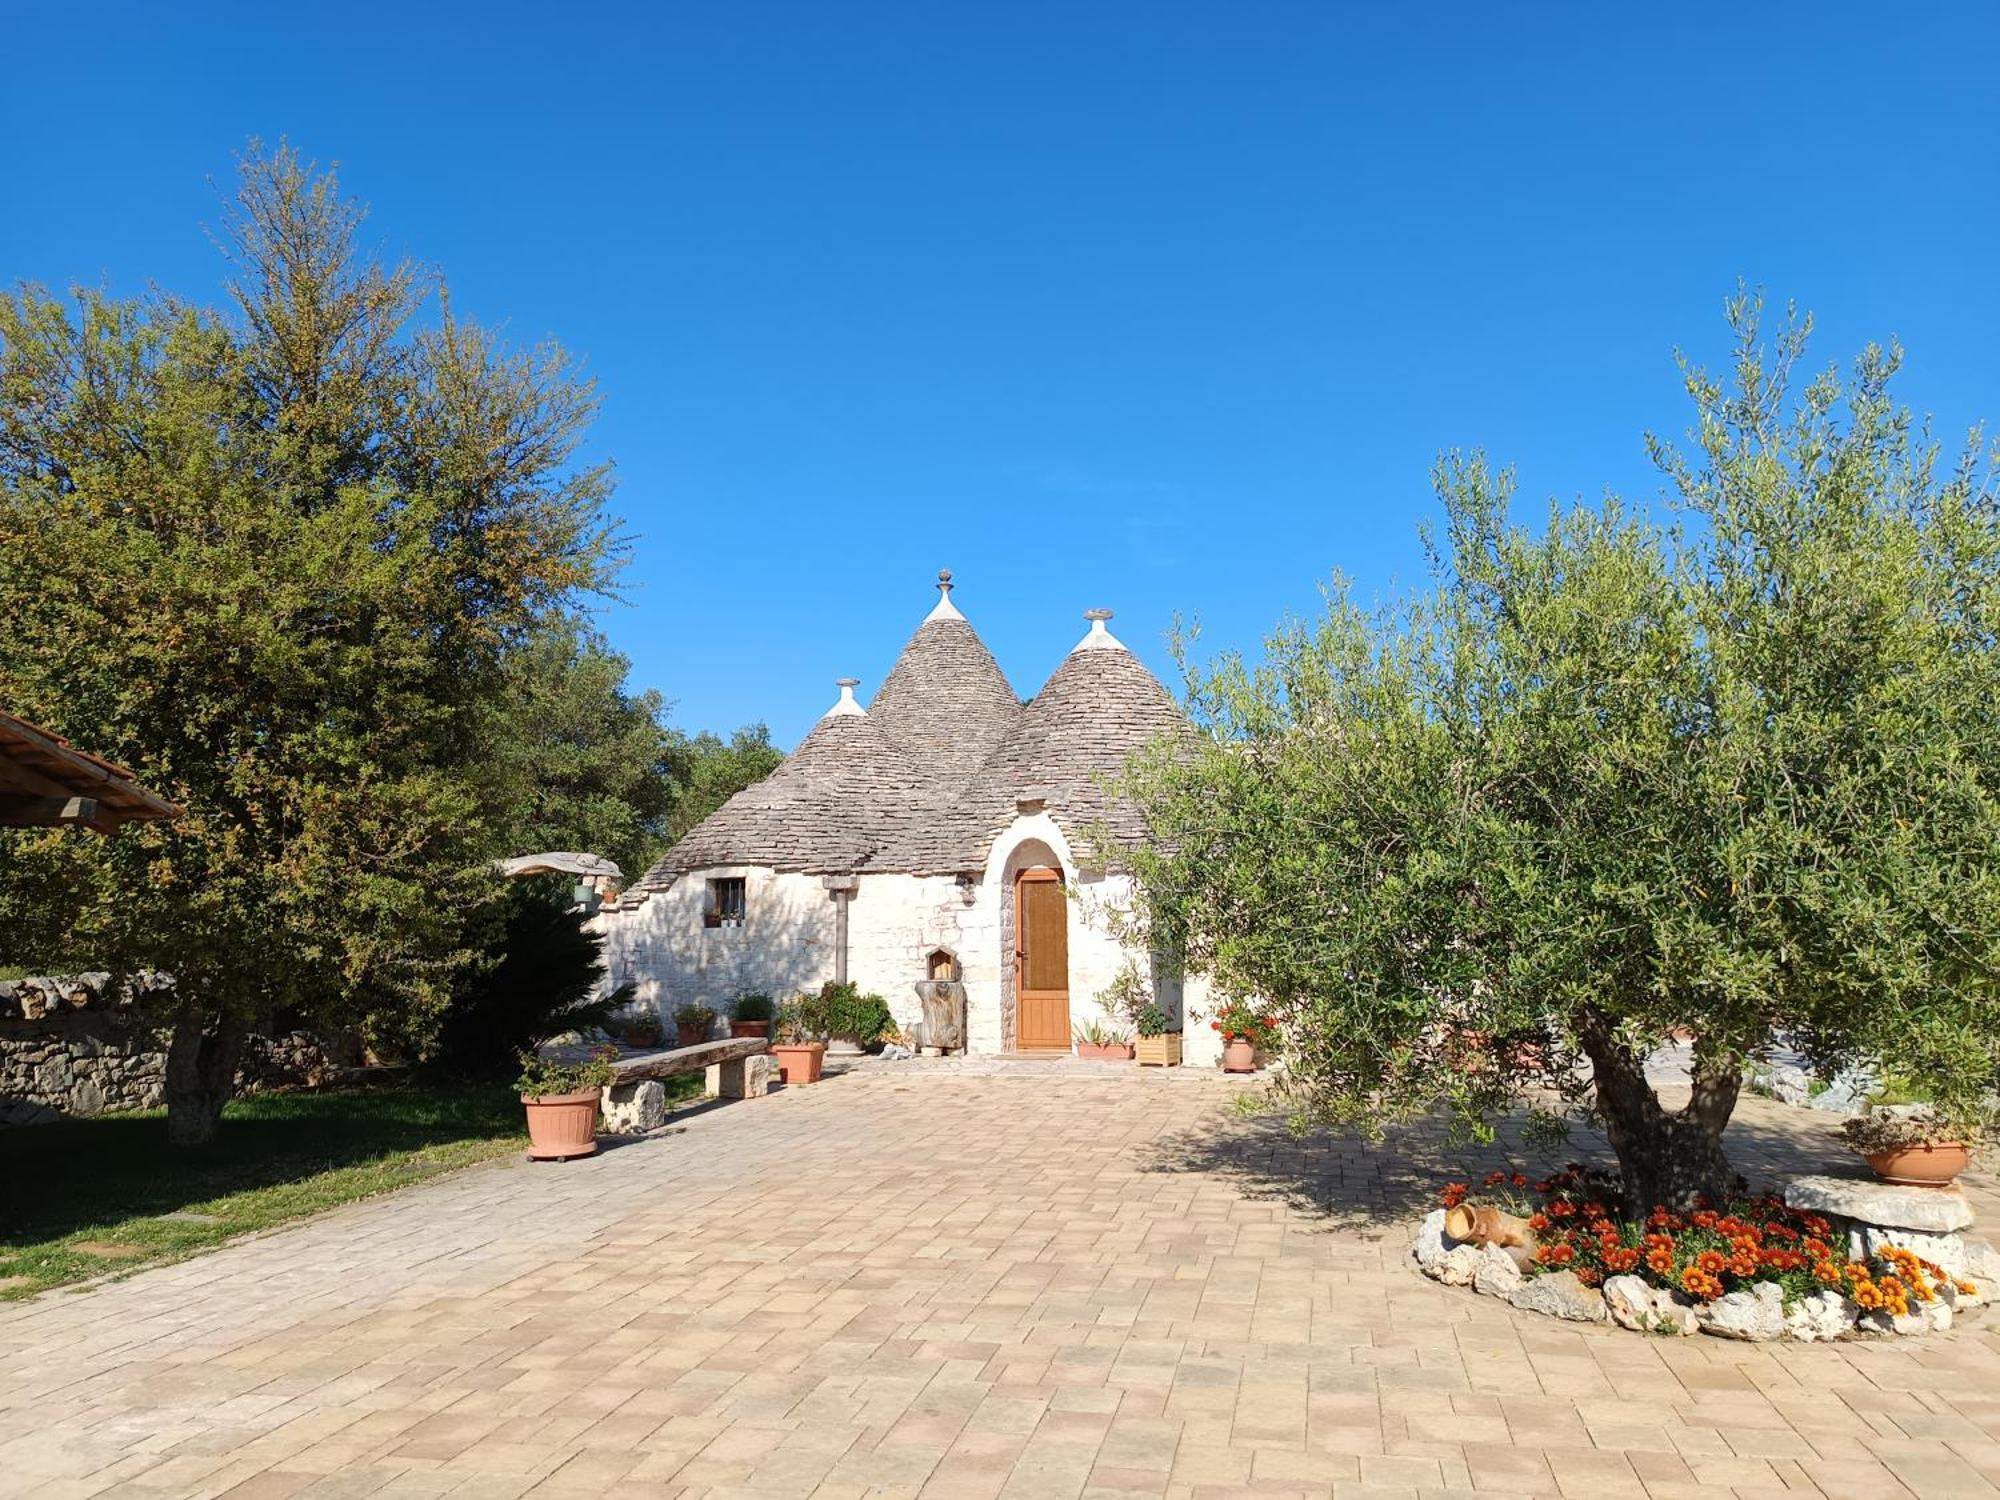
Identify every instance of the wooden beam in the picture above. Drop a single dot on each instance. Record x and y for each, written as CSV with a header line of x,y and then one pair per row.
x,y
693,1059
49,812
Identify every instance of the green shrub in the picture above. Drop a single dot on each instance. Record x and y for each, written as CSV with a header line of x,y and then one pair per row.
x,y
540,980
755,1006
541,1077
840,1010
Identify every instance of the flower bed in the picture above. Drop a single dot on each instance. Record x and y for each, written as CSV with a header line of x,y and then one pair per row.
x,y
1751,1267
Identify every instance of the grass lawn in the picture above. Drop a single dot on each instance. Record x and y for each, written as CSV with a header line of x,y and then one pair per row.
x,y
111,1181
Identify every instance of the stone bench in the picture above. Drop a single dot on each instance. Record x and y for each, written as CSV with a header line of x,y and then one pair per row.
x,y
739,1068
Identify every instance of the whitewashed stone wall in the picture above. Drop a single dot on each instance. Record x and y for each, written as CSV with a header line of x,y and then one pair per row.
x,y
661,947
895,922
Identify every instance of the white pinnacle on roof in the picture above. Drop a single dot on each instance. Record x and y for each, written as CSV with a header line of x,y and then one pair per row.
x,y
1099,638
944,609
846,705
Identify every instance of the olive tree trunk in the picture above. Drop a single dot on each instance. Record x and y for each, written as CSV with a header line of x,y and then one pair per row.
x,y
201,1074
1665,1157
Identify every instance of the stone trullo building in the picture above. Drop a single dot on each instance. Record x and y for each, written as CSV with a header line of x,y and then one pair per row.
x,y
941,831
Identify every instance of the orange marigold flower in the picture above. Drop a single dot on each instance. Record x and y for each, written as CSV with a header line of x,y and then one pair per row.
x,y
1494,1178
1710,1261
1538,1221
1520,1179
1660,1261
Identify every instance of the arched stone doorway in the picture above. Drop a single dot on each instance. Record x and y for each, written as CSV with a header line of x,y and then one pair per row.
x,y
1036,937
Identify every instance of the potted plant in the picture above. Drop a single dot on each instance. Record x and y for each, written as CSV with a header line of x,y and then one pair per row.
x,y
561,1100
1912,1144
642,1032
1099,1041
800,1057
751,1015
1244,1033
1158,1047
846,1017
691,1024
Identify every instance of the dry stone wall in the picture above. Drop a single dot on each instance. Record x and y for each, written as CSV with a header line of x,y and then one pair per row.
x,y
84,1044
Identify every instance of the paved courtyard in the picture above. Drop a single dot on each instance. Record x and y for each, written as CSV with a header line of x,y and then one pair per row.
x,y
1017,1281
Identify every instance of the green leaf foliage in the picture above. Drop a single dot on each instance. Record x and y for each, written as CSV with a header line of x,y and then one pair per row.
x,y
546,980
277,561
1609,781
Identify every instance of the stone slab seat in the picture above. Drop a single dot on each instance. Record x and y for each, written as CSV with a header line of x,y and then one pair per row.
x,y
738,1068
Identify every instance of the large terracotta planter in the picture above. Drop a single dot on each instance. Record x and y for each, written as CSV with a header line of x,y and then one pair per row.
x,y
686,1037
1239,1055
561,1126
1932,1165
749,1028
1162,1051
1105,1051
799,1062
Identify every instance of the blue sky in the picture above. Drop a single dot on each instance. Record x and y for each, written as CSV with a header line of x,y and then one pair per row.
x,y
1162,307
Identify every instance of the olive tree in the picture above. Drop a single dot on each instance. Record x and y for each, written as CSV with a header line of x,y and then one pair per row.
x,y
1618,780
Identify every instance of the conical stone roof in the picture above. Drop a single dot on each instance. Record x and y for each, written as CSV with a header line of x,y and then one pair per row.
x,y
842,795
946,701
1098,709
934,771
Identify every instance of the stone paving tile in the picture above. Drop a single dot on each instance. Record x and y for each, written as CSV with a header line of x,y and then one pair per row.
x,y
1007,1281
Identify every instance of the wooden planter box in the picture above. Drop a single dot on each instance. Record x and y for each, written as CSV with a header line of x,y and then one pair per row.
x,y
1163,1051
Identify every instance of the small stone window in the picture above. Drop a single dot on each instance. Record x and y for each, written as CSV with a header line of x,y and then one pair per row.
x,y
725,903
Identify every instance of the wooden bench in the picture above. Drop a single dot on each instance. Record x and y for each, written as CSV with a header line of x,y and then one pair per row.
x,y
730,1065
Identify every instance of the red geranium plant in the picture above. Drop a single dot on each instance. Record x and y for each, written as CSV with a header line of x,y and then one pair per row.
x,y
1239,1020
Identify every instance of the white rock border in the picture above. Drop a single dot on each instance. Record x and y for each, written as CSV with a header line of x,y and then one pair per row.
x,y
1757,1316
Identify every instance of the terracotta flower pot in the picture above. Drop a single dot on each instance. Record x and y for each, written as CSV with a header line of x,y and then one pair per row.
x,y
1105,1051
1239,1055
561,1125
685,1036
799,1062
1932,1165
749,1028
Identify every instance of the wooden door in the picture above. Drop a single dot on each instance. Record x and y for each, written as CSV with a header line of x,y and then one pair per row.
x,y
1041,962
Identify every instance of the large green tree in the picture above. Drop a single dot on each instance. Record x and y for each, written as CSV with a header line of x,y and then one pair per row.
x,y
581,762
276,559
1610,782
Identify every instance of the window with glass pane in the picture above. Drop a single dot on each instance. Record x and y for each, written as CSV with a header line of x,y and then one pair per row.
x,y
725,903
